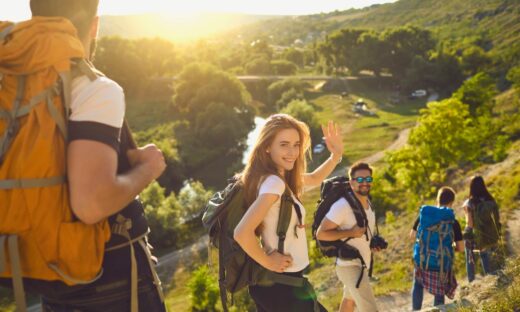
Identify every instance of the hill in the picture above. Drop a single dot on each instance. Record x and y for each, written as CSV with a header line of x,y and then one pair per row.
x,y
495,21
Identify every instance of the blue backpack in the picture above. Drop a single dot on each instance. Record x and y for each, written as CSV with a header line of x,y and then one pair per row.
x,y
433,249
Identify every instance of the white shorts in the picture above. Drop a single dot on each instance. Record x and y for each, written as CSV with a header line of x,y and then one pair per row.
x,y
362,296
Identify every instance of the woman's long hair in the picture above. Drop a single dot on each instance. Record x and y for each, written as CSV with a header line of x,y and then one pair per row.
x,y
478,190
260,164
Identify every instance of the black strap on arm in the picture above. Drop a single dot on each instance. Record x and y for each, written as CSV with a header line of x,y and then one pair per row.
x,y
284,218
298,210
375,217
357,209
126,129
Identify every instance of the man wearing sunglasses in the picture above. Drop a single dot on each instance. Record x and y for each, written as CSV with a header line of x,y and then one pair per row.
x,y
340,223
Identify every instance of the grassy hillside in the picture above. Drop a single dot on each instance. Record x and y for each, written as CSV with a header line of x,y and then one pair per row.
x,y
366,135
495,20
493,23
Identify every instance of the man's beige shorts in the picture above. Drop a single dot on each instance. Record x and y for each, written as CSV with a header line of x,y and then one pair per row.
x,y
362,296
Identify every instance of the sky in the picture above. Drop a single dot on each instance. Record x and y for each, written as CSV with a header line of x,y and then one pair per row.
x,y
17,10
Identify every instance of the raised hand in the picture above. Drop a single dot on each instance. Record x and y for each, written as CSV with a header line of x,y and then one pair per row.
x,y
333,140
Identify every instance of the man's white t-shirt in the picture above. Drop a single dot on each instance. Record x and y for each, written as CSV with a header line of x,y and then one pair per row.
x,y
97,111
341,213
295,243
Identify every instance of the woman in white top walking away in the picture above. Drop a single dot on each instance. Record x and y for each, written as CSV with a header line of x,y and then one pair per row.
x,y
276,162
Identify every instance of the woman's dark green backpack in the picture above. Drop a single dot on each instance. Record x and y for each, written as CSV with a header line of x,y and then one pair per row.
x,y
237,270
486,223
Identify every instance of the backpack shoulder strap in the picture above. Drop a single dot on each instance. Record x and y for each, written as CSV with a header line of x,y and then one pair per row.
x,y
6,31
286,204
373,210
357,208
356,205
84,67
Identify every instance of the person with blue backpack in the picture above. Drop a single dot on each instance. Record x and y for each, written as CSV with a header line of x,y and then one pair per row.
x,y
435,232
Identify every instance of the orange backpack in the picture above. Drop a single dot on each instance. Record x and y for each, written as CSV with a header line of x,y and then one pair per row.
x,y
39,236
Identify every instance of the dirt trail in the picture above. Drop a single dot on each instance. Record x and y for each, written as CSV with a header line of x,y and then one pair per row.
x,y
168,263
402,302
401,140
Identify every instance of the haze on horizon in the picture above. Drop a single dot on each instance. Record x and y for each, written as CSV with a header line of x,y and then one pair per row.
x,y
19,10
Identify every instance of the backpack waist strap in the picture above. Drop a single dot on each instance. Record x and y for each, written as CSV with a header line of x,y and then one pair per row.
x,y
14,257
270,277
122,227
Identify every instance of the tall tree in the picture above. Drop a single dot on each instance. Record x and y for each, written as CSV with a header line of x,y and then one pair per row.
x,y
404,43
477,91
218,113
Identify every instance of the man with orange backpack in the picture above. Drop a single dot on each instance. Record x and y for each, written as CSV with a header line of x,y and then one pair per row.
x,y
71,229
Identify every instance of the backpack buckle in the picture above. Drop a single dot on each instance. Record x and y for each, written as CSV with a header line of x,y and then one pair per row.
x,y
56,88
12,128
122,225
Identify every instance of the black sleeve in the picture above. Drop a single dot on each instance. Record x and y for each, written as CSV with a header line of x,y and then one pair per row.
x,y
95,131
457,232
416,224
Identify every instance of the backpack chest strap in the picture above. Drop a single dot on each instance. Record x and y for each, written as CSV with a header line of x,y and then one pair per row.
x,y
5,32
60,87
12,125
31,183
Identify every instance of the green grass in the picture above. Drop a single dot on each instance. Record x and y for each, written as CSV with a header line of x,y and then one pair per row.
x,y
6,300
366,135
506,297
508,102
178,298
506,186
